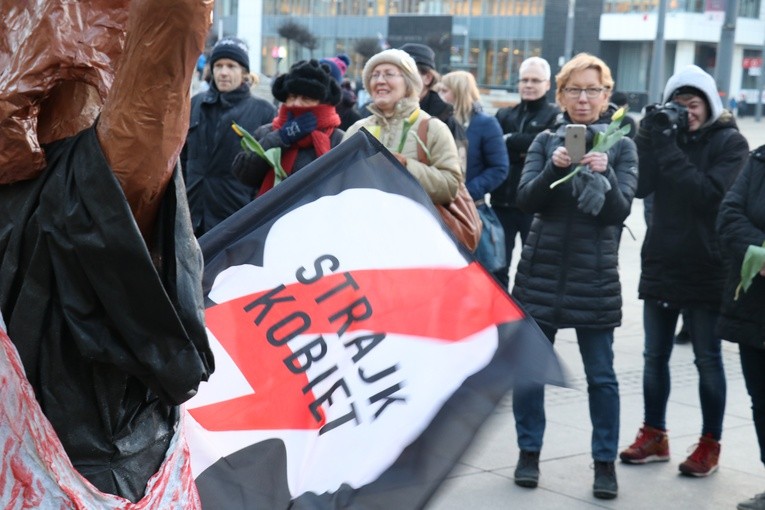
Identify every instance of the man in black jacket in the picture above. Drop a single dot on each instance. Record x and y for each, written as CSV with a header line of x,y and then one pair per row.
x,y
213,191
521,124
690,152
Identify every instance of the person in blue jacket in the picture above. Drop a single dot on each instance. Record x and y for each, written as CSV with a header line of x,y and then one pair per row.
x,y
487,163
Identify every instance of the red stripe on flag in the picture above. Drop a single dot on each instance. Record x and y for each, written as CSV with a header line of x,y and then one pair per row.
x,y
255,330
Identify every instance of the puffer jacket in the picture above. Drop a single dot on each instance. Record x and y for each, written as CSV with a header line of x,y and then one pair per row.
x,y
567,276
741,223
681,259
213,191
442,176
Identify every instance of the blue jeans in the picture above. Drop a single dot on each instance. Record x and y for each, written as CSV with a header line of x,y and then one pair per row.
x,y
659,323
753,368
596,348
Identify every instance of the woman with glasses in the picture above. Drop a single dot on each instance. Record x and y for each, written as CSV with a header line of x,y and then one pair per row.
x,y
568,275
391,77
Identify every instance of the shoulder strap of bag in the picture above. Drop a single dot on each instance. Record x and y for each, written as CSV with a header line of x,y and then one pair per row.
x,y
422,134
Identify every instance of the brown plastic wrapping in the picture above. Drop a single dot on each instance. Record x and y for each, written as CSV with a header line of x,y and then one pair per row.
x,y
46,43
145,119
57,61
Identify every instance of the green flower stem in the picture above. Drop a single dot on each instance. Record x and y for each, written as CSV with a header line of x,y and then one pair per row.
x,y
567,177
754,259
273,155
603,142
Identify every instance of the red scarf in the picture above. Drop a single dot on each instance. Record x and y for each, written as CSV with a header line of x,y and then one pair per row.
x,y
327,120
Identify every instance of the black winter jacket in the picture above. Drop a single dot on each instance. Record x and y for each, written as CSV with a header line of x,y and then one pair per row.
x,y
681,260
567,276
741,223
213,191
251,169
523,122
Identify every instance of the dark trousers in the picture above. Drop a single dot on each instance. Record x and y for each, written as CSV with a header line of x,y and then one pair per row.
x,y
659,323
753,368
514,222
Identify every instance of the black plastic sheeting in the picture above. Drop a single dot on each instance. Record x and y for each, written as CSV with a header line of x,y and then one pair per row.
x,y
111,336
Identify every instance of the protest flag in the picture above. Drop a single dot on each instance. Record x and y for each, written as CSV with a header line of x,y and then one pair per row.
x,y
358,346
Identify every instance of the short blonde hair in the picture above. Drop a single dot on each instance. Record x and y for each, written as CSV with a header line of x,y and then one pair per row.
x,y
465,92
582,62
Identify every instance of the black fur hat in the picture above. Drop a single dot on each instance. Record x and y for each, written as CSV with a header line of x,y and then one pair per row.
x,y
310,79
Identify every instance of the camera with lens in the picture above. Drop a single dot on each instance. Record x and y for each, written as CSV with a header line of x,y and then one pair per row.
x,y
669,116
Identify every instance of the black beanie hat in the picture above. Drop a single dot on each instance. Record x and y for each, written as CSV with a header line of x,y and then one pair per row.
x,y
422,55
232,48
310,79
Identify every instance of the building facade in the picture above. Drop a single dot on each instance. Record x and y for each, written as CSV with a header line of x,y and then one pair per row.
x,y
492,37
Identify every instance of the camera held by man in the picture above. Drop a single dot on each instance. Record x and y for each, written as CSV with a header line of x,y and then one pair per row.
x,y
689,153
671,115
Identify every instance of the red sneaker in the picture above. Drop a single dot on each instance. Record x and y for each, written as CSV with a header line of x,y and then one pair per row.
x,y
651,445
703,460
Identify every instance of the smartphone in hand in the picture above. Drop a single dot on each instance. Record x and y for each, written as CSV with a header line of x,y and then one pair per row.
x,y
576,141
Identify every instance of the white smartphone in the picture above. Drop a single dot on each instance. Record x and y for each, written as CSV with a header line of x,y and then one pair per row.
x,y
576,141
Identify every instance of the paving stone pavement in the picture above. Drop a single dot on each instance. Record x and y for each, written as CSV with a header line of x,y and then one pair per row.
x,y
484,477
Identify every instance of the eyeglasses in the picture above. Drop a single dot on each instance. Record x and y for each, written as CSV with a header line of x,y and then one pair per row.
x,y
574,92
387,76
533,81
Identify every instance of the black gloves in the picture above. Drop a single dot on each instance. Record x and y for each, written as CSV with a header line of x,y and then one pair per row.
x,y
297,127
658,130
249,168
590,188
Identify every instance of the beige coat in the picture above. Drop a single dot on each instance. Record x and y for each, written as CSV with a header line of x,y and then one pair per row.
x,y
441,178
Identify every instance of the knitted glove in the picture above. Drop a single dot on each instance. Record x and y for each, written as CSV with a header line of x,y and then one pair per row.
x,y
590,188
297,128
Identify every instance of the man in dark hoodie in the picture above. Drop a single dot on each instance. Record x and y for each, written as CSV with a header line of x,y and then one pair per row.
x,y
521,124
690,153
213,191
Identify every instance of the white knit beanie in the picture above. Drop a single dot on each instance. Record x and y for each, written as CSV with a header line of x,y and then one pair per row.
x,y
400,59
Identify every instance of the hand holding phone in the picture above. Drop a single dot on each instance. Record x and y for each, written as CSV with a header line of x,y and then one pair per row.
x,y
576,142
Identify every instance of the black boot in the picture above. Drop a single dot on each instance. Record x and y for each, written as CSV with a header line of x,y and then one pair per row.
x,y
605,486
527,470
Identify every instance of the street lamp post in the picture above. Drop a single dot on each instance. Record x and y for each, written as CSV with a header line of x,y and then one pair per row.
x,y
568,43
723,65
760,84
278,53
656,85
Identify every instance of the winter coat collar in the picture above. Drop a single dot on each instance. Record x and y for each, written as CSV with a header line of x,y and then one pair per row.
x,y
226,99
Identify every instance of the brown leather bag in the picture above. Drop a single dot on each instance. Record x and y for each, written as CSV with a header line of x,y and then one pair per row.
x,y
461,216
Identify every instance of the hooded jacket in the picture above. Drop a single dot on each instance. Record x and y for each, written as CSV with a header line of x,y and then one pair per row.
x,y
741,223
689,176
568,276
